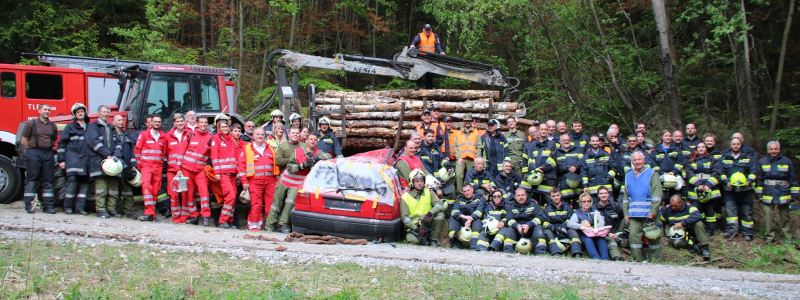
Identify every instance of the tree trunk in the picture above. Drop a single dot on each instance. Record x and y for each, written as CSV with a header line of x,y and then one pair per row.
x,y
469,106
437,94
241,49
668,60
203,32
266,50
294,24
609,62
776,92
232,24
748,79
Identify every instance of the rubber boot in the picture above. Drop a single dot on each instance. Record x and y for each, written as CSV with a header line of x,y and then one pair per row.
x,y
473,243
508,247
496,244
553,248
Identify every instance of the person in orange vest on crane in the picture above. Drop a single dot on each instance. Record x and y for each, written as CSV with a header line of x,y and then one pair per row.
x,y
427,42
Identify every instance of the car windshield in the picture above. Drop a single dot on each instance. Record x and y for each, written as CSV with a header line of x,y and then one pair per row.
x,y
353,178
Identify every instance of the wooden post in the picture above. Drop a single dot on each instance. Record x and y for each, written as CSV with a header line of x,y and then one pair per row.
x,y
399,128
344,124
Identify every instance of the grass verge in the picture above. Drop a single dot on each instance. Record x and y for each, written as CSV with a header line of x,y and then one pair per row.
x,y
738,254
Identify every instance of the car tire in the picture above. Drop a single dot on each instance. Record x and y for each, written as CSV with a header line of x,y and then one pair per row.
x,y
10,181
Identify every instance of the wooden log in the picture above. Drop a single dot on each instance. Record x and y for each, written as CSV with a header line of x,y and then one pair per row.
x,y
466,106
368,143
380,132
373,124
438,94
354,99
395,115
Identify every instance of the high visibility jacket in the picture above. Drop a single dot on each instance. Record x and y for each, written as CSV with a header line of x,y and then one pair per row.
x,y
72,150
261,164
558,215
451,146
487,208
467,144
684,148
597,170
668,160
493,149
540,155
777,183
515,144
743,163
579,140
704,170
430,157
294,179
437,132
175,149
528,212
692,141
329,143
149,151
196,155
687,216
101,143
464,206
567,158
223,153
427,43
418,207
612,213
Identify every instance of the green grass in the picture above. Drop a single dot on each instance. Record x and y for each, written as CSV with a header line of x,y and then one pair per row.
x,y
79,271
740,255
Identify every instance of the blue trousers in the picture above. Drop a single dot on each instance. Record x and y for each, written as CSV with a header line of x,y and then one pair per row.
x,y
596,246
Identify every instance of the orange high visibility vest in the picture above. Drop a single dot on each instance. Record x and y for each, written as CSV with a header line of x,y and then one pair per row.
x,y
467,144
427,43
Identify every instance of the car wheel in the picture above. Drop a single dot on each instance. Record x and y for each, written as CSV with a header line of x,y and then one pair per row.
x,y
10,181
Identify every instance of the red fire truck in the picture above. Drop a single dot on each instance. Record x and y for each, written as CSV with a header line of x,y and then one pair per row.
x,y
133,89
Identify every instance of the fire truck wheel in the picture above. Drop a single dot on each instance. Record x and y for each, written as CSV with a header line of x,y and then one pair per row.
x,y
10,181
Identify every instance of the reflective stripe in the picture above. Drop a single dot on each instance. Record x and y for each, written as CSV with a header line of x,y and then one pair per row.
x,y
30,195
223,160
152,158
97,146
75,170
76,138
150,151
81,195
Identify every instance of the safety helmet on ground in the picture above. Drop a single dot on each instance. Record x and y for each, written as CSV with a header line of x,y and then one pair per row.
x,y
678,237
535,178
111,167
76,107
416,174
622,239
324,120
573,180
490,224
295,116
444,174
738,179
652,231
221,116
669,181
276,113
137,179
465,234
524,246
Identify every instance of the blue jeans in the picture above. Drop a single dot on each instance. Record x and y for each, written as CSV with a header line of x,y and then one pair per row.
x,y
596,246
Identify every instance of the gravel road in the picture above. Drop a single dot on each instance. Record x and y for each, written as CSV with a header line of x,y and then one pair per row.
x,y
673,280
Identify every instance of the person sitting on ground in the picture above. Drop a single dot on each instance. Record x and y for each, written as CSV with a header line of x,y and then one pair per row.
x,y
421,212
479,178
587,217
680,216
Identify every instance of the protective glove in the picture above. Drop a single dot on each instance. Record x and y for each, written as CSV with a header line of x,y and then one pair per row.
x,y
427,220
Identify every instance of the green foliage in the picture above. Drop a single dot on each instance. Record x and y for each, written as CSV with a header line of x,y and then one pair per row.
x,y
150,42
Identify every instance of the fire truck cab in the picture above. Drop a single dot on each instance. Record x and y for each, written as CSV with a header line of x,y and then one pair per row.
x,y
133,89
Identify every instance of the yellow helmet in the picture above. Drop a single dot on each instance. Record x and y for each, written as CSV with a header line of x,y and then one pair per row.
x,y
465,234
535,178
524,246
738,179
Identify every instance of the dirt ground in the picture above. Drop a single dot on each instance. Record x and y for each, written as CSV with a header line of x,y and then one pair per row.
x,y
711,282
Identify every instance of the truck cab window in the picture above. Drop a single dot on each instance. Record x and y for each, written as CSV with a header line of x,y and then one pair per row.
x,y
44,86
208,99
168,94
8,85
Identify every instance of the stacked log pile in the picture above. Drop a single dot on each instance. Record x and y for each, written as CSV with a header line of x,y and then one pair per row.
x,y
371,118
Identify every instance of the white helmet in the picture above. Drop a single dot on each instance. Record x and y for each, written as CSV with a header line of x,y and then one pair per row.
x,y
77,106
324,120
112,167
244,196
276,113
221,116
137,179
490,223
294,116
669,181
431,182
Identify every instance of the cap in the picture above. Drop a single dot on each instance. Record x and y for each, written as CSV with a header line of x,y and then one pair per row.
x,y
426,112
427,26
468,117
494,122
435,108
448,119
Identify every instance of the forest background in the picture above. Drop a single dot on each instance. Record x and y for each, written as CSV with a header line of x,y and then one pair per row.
x,y
727,65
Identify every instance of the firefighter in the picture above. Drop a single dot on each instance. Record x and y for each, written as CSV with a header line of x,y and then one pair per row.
x,y
192,166
539,156
710,140
551,130
579,140
557,214
682,216
746,149
38,138
149,153
466,148
641,196
524,220
450,142
587,217
103,145
738,177
247,135
177,143
561,129
493,216
612,214
515,144
691,136
296,159
507,181
296,121
421,212
597,168
72,157
703,172
493,148
429,153
125,205
641,134
777,185
437,122
679,143
668,160
328,142
479,178
258,171
304,132
408,161
427,124
568,167
465,213
223,157
276,117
